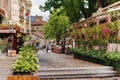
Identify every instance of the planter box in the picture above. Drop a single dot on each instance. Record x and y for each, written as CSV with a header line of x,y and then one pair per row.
x,y
96,47
89,58
113,47
22,77
12,52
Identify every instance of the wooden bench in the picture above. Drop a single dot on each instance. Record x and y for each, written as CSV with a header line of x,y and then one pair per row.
x,y
56,49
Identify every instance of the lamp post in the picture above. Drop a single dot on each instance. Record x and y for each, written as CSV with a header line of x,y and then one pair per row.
x,y
11,36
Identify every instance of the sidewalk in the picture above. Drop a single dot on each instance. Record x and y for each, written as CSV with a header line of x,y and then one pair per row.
x,y
5,62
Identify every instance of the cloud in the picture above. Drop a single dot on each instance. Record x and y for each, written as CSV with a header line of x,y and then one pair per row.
x,y
36,11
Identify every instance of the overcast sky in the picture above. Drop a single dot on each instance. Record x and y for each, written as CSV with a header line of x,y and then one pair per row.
x,y
36,11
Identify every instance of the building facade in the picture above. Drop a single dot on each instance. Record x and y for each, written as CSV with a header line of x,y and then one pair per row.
x,y
16,12
37,23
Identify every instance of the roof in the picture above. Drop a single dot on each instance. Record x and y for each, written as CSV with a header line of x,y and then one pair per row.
x,y
40,23
38,34
37,20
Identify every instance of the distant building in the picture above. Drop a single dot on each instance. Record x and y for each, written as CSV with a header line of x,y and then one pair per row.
x,y
36,26
37,23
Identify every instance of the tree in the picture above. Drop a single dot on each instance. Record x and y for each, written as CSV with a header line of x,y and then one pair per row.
x,y
72,12
104,3
56,25
51,5
76,9
72,8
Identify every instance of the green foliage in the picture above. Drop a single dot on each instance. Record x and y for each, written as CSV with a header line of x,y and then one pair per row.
x,y
51,5
73,12
3,45
56,25
79,9
102,57
91,53
26,63
115,56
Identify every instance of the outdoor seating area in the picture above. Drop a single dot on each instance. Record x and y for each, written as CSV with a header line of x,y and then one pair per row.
x,y
56,49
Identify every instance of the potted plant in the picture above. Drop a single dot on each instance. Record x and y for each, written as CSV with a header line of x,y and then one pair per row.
x,y
26,63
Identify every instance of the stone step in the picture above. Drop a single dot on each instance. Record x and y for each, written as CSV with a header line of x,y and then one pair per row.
x,y
106,68
76,72
76,76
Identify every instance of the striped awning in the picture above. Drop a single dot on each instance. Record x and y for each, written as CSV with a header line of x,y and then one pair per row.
x,y
7,31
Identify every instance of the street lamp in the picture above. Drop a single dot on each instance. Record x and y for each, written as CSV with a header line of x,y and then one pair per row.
x,y
11,36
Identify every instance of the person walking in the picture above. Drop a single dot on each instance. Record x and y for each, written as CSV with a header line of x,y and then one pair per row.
x,y
47,48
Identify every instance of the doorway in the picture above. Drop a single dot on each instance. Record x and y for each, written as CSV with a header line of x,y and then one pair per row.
x,y
0,19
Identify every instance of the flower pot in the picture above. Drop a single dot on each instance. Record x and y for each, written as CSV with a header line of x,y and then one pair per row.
x,y
118,48
22,77
95,47
12,52
112,47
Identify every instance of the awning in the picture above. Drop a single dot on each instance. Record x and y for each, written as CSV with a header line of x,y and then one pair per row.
x,y
7,31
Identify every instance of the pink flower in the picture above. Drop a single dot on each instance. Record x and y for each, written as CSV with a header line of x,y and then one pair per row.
x,y
105,30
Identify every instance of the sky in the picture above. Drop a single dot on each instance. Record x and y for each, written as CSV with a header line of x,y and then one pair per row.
x,y
36,11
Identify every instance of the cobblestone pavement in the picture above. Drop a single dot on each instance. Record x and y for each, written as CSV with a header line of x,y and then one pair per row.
x,y
54,60
50,60
5,62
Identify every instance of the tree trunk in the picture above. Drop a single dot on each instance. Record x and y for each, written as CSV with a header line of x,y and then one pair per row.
x,y
57,39
99,3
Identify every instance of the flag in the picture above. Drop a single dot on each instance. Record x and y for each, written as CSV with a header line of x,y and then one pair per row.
x,y
27,15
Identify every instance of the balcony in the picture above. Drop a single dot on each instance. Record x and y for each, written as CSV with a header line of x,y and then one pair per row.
x,y
21,18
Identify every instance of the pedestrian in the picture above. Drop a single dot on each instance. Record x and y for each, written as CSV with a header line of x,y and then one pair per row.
x,y
47,48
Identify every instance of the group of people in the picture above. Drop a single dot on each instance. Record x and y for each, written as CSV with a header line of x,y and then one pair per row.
x,y
38,45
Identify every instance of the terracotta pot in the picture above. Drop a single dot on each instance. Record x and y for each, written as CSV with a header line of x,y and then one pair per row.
x,y
13,52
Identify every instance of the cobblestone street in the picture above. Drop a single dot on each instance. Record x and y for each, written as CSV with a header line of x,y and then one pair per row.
x,y
54,60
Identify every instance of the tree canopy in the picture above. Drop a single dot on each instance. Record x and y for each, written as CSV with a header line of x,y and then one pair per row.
x,y
56,25
76,9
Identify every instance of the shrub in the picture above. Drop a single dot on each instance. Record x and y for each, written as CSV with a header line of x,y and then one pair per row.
x,y
101,57
26,63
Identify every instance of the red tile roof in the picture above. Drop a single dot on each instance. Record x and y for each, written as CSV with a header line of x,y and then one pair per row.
x,y
38,21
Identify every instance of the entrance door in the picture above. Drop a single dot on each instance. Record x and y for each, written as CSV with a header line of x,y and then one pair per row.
x,y
0,19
